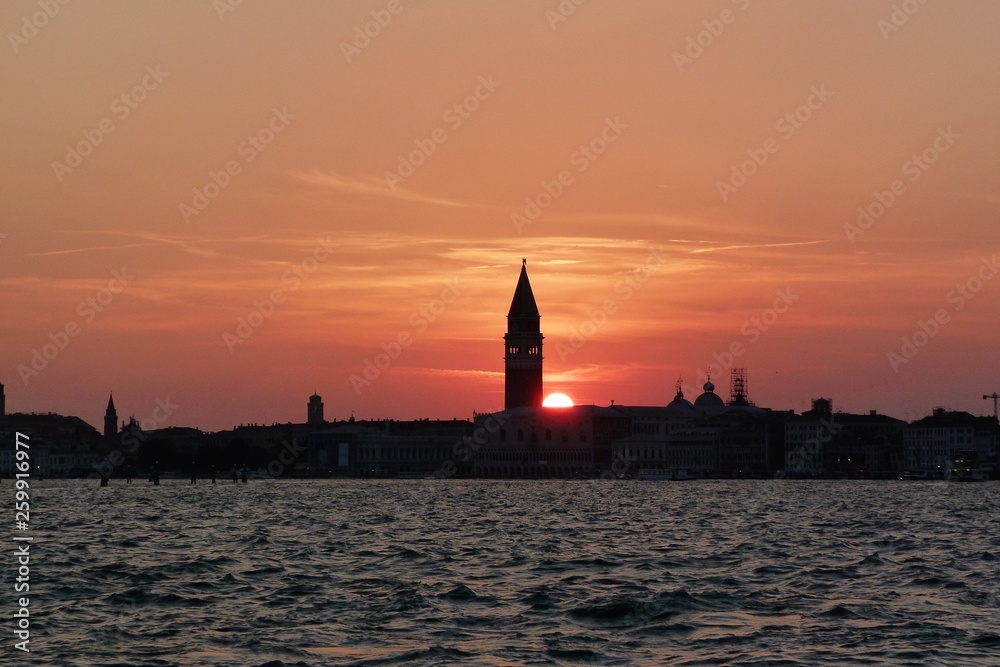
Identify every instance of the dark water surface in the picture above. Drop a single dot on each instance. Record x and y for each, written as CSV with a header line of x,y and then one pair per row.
x,y
455,572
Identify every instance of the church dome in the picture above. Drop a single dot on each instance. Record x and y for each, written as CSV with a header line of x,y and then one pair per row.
x,y
709,399
679,399
681,408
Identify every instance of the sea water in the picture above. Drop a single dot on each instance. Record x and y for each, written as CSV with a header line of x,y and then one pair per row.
x,y
468,572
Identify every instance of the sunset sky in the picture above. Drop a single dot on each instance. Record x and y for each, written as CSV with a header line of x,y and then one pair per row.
x,y
176,163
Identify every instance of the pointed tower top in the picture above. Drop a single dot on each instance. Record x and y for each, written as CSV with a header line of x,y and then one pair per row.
x,y
523,303
111,402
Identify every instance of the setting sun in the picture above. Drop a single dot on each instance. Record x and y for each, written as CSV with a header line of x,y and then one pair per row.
x,y
557,401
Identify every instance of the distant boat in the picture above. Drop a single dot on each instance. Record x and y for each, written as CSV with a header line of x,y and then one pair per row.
x,y
966,467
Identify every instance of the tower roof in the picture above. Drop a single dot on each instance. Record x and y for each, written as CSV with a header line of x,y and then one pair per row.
x,y
111,402
523,303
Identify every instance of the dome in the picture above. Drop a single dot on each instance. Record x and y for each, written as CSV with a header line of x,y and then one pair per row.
x,y
709,399
679,399
680,408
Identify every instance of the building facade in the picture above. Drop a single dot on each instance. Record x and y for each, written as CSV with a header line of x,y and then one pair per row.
x,y
931,444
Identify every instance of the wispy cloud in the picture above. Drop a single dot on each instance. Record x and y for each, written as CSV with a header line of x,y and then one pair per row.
x,y
745,246
373,186
74,251
191,245
591,373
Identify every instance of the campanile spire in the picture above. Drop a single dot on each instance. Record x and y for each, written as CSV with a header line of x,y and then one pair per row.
x,y
523,345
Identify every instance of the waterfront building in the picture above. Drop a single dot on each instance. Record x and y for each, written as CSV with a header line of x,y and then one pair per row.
x,y
823,442
386,448
707,438
931,444
60,446
545,442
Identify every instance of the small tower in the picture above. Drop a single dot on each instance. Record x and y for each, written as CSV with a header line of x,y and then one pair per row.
x,y
822,407
314,411
523,348
3,402
110,419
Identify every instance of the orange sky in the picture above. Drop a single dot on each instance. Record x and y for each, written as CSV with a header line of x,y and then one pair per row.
x,y
649,233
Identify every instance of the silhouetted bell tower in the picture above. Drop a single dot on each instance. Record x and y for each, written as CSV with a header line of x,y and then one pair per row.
x,y
110,420
523,342
314,411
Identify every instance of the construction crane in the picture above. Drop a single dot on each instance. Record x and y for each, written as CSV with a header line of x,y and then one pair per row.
x,y
994,396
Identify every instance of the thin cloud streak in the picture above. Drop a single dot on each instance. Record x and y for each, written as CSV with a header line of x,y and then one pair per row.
x,y
373,186
758,245
74,251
